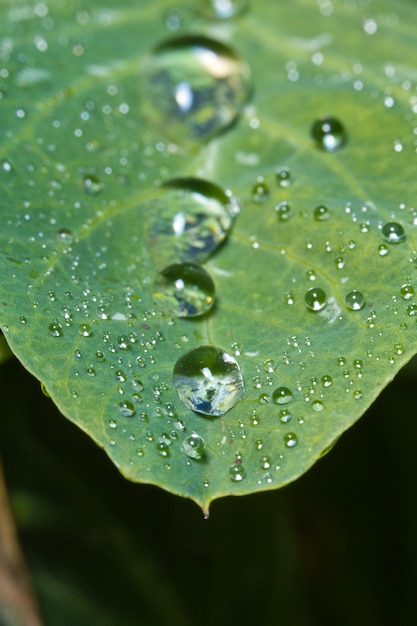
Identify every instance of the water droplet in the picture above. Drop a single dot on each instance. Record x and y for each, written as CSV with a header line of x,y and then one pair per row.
x,y
355,300
260,191
321,213
285,416
237,472
126,408
283,176
265,462
393,232
193,88
383,250
163,448
290,440
407,292
85,330
193,446
399,348
412,310
326,380
284,211
328,133
6,166
357,395
184,290
315,299
222,9
282,395
208,380
55,329
317,406
189,221
357,364
340,262
92,185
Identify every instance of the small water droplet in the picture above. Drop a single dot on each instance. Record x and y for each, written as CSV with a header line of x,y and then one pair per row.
x,y
328,133
193,88
55,329
355,300
407,292
285,416
326,380
284,211
92,185
317,406
283,176
184,290
126,408
315,299
208,380
290,440
265,462
237,472
6,166
282,395
321,213
193,446
393,232
260,191
340,262
383,250
85,330
357,395
163,448
412,310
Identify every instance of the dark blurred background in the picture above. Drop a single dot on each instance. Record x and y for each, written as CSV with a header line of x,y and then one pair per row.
x,y
338,547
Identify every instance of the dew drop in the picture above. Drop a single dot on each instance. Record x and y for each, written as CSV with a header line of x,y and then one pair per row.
x,y
163,448
208,380
193,446
6,166
412,310
321,213
184,290
328,133
357,395
290,440
284,211
407,292
265,462
282,395
326,380
317,406
55,329
355,300
260,191
315,299
85,330
340,262
222,9
92,185
283,176
193,88
189,221
285,416
393,232
237,472
383,250
126,408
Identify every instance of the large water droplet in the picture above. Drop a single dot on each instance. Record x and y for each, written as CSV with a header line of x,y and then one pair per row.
x,y
407,292
184,290
208,380
222,9
355,300
315,299
193,88
237,472
282,395
190,219
193,446
393,232
328,133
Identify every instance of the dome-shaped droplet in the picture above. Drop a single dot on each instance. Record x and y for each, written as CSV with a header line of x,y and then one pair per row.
x,y
393,232
282,395
237,472
193,88
126,408
283,176
260,191
407,292
184,290
355,300
193,446
208,380
284,211
92,185
188,220
328,133
321,213
315,299
290,440
222,9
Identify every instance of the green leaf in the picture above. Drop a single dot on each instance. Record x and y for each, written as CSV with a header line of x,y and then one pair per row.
x,y
316,301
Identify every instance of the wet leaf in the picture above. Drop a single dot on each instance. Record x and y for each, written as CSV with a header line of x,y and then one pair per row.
x,y
311,125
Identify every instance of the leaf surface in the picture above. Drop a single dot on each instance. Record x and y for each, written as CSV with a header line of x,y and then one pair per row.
x,y
85,206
